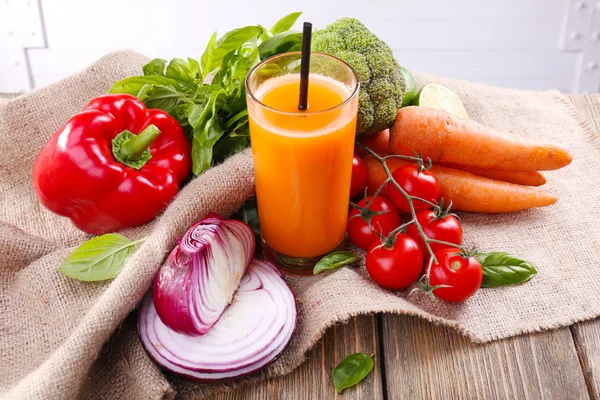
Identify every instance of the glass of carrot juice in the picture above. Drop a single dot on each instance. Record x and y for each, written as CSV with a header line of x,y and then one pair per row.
x,y
302,159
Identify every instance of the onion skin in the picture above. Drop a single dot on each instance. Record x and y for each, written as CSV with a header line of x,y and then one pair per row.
x,y
199,278
250,335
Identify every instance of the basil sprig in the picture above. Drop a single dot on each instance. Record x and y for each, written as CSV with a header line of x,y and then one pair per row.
x,y
352,370
99,259
501,269
335,260
207,96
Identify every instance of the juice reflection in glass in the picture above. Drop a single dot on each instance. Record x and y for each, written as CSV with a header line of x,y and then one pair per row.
x,y
302,159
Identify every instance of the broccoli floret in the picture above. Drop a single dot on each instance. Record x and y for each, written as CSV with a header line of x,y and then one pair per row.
x,y
382,83
358,62
366,112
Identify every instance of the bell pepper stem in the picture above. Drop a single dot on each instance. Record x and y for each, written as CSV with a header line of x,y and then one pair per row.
x,y
134,148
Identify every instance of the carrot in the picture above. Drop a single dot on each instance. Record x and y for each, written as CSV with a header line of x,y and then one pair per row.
x,y
467,191
448,139
379,143
474,193
527,178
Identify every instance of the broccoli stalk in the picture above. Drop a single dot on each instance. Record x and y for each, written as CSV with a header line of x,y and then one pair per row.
x,y
382,84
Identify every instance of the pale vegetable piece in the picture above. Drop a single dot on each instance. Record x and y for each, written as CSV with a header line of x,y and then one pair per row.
x,y
437,96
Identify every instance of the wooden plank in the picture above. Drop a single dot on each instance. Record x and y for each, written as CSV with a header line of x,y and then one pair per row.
x,y
425,361
587,334
312,380
587,341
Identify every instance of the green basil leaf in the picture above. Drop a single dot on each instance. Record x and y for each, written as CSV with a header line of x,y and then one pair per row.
x,y
208,127
279,43
352,370
205,91
214,130
271,71
335,260
134,84
207,56
250,57
228,146
98,259
241,117
231,41
194,67
501,269
163,97
206,121
265,34
296,47
233,72
194,114
180,113
155,67
179,70
249,215
285,23
202,155
240,128
145,92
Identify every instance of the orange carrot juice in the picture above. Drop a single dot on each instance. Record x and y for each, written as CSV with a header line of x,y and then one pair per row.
x,y
303,162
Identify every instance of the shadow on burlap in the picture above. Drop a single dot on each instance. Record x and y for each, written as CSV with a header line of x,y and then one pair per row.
x,y
53,330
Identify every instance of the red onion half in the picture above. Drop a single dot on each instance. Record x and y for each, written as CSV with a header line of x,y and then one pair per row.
x,y
200,276
250,334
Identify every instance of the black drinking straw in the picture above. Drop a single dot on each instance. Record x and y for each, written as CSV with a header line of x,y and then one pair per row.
x,y
305,66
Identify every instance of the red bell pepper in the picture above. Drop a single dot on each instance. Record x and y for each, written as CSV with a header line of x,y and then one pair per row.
x,y
116,165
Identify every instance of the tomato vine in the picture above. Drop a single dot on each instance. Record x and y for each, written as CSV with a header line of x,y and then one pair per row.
x,y
423,283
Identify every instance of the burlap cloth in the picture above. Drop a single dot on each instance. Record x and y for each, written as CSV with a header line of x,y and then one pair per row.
x,y
61,338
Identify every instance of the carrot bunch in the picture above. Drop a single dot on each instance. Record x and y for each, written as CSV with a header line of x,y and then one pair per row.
x,y
478,168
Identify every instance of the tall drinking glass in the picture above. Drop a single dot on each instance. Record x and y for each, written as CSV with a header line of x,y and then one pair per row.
x,y
302,159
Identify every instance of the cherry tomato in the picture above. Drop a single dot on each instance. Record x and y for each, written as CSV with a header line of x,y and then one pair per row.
x,y
418,183
359,231
359,177
440,227
464,275
395,267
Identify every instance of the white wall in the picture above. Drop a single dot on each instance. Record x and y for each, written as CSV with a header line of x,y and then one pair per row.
x,y
512,43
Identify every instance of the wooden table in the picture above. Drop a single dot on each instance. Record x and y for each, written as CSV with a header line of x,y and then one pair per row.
x,y
418,360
